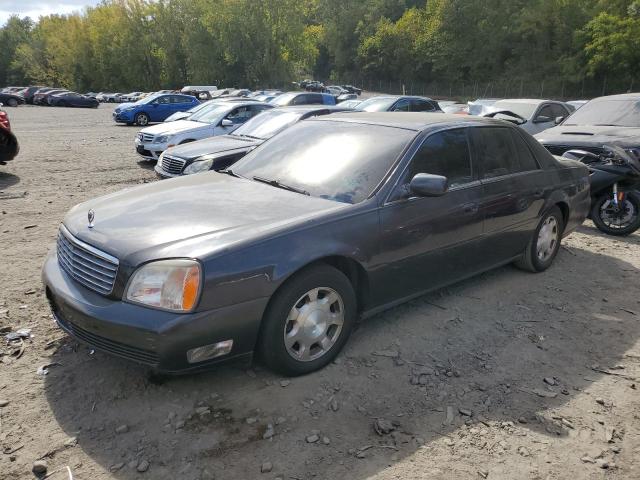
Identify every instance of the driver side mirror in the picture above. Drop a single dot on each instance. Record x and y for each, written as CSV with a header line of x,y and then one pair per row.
x,y
558,120
427,185
226,123
542,119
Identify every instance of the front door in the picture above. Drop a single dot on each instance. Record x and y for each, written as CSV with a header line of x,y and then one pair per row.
x,y
427,242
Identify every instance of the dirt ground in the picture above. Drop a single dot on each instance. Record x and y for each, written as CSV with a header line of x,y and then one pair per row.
x,y
509,375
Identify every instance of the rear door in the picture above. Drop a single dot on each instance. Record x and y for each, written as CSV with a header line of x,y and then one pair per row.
x,y
180,103
513,190
431,241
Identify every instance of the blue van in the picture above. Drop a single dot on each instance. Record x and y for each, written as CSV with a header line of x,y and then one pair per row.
x,y
154,108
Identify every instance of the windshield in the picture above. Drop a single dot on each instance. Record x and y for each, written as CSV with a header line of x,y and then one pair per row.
x,y
606,111
148,99
338,161
200,106
377,104
284,99
525,110
212,113
267,124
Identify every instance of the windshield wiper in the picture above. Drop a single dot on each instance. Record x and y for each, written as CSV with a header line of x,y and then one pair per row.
x,y
241,135
276,183
605,125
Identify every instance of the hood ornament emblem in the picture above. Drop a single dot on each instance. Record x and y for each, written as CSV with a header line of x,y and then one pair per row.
x,y
91,216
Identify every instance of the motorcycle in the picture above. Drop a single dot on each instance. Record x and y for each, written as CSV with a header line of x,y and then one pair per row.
x,y
615,181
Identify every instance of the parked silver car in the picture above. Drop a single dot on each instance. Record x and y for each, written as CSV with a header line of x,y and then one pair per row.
x,y
532,115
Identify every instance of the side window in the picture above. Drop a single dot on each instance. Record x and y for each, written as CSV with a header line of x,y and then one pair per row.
x,y
401,106
525,157
240,115
314,99
421,106
300,100
558,111
495,151
162,100
256,109
444,153
545,111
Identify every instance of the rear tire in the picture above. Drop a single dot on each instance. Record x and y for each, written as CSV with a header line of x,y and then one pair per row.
x,y
308,321
142,119
633,204
544,244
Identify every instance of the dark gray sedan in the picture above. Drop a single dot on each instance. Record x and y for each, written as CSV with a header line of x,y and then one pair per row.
x,y
337,217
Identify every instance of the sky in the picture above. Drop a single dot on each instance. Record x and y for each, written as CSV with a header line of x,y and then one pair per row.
x,y
36,8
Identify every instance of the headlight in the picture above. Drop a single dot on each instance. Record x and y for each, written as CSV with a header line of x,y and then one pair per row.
x,y
199,166
166,284
163,139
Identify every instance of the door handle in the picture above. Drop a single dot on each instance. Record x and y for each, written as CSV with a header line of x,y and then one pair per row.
x,y
470,208
538,193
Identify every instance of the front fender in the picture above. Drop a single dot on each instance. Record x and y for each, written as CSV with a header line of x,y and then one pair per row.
x,y
258,270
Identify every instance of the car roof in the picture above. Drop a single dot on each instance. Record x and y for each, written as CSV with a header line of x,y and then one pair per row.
x,y
400,96
622,96
409,120
525,100
311,108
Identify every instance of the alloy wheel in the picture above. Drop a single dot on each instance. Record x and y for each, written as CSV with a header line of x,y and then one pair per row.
x,y
314,324
547,238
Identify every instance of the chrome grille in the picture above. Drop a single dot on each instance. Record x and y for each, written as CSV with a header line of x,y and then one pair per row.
x,y
172,165
87,265
145,137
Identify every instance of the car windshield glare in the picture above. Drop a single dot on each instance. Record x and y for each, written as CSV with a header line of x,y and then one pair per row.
x,y
148,99
377,104
267,124
211,114
607,111
338,161
284,99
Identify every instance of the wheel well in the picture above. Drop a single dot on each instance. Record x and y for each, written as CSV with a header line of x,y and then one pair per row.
x,y
564,208
354,272
188,140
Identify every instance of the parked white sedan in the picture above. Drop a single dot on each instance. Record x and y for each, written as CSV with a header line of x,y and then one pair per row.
x,y
218,118
532,115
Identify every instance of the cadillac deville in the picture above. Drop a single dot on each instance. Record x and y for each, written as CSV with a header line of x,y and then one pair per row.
x,y
335,218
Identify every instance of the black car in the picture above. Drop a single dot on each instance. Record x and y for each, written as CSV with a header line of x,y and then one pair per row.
x,y
28,94
336,217
41,97
398,103
352,89
11,99
217,153
613,119
72,99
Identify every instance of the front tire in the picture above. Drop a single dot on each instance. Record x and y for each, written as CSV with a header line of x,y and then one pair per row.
x,y
545,243
308,321
142,119
12,102
619,223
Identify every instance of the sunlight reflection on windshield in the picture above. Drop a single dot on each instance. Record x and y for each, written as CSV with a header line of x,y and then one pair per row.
x,y
325,159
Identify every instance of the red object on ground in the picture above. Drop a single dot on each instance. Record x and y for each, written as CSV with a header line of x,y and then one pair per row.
x,y
4,120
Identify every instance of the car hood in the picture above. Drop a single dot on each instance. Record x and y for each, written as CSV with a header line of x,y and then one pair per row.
x,y
193,216
177,116
589,135
124,106
219,144
172,128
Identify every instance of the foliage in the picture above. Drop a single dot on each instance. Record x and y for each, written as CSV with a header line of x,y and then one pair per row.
x,y
144,44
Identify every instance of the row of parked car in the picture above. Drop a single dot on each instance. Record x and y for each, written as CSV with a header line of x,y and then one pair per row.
x,y
213,135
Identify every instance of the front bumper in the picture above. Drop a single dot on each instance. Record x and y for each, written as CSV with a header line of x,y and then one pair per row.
x,y
151,337
150,151
123,117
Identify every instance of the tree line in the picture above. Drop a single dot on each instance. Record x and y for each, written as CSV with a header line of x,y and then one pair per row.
x,y
148,45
